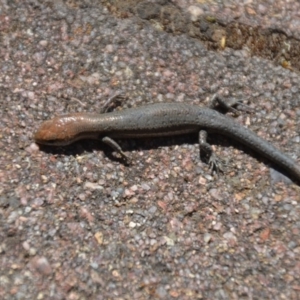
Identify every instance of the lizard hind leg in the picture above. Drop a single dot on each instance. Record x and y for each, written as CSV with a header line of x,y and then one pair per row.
x,y
214,162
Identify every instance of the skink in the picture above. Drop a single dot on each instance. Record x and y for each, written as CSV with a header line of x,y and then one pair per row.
x,y
162,119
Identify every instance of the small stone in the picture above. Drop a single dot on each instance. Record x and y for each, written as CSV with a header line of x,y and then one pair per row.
x,y
195,12
41,265
132,224
207,238
99,237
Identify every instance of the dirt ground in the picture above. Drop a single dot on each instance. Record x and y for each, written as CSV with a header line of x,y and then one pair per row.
x,y
78,223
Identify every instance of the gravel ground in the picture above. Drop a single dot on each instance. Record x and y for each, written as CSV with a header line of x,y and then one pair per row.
x,y
76,223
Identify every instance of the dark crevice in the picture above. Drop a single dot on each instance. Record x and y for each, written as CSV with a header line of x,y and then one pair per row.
x,y
272,43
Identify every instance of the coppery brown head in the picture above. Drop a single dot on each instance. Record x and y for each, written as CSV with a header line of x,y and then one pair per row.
x,y
56,132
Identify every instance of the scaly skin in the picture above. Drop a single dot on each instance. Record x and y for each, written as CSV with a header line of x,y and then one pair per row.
x,y
162,119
